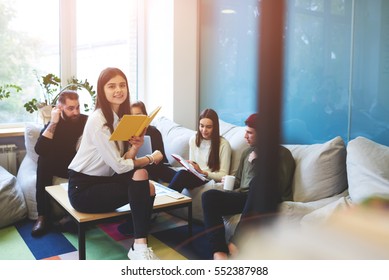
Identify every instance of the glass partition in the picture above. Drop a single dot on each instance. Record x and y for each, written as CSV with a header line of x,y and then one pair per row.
x,y
228,58
336,79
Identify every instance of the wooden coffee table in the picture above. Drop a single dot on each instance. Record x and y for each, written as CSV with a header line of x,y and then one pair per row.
x,y
162,202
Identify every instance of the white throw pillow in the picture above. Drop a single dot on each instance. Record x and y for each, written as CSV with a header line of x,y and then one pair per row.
x,y
225,127
31,134
320,170
367,169
294,211
321,215
12,204
235,136
27,180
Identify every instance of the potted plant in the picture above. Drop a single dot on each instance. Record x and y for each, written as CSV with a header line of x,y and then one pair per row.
x,y
51,87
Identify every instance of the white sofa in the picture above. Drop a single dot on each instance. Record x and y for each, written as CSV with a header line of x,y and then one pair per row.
x,y
320,176
328,176
175,136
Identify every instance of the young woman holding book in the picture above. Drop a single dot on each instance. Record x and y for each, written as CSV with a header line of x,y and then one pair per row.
x,y
105,175
209,154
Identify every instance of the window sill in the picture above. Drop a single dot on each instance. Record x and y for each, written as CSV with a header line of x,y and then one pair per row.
x,y
11,131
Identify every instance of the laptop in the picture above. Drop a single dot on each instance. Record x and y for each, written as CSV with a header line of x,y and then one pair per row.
x,y
146,148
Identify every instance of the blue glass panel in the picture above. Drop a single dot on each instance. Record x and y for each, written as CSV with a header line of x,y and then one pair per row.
x,y
317,60
228,58
336,79
370,87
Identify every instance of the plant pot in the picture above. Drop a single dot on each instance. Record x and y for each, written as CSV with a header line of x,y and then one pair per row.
x,y
45,113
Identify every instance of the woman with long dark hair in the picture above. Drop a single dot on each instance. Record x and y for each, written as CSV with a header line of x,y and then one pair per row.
x,y
209,154
105,175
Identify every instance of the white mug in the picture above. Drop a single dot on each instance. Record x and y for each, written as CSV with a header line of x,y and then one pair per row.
x,y
229,182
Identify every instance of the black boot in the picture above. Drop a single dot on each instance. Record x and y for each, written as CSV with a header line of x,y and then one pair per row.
x,y
39,227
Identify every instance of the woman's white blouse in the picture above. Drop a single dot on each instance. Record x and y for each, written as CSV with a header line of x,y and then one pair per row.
x,y
200,156
97,155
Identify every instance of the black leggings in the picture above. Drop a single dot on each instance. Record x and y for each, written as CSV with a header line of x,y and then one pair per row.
x,y
185,179
99,194
216,204
258,206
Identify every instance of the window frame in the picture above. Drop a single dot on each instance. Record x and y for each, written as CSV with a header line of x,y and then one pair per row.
x,y
67,52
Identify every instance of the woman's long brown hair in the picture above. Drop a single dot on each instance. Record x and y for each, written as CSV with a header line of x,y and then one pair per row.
x,y
213,158
102,102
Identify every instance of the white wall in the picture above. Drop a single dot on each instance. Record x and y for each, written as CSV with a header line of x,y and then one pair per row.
x,y
168,64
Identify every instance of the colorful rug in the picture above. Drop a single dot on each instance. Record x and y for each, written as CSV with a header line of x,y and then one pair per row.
x,y
169,240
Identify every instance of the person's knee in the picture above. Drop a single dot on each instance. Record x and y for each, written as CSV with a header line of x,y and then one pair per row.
x,y
181,171
152,189
209,198
140,175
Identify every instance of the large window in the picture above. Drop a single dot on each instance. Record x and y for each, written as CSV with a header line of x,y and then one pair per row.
x,y
68,38
29,44
107,37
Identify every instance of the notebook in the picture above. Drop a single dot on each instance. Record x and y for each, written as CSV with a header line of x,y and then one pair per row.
x,y
146,148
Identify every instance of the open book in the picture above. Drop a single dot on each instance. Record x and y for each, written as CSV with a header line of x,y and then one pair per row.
x,y
132,125
189,167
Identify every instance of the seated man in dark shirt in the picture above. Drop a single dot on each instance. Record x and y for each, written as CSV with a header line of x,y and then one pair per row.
x,y
56,147
218,203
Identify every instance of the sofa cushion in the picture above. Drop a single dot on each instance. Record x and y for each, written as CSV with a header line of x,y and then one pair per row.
x,y
235,136
293,211
175,138
321,215
12,204
225,127
31,134
367,169
320,170
27,179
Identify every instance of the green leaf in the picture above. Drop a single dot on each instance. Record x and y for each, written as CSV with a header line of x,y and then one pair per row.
x,y
8,89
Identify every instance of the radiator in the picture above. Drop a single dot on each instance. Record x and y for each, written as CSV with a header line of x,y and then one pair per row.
x,y
8,157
